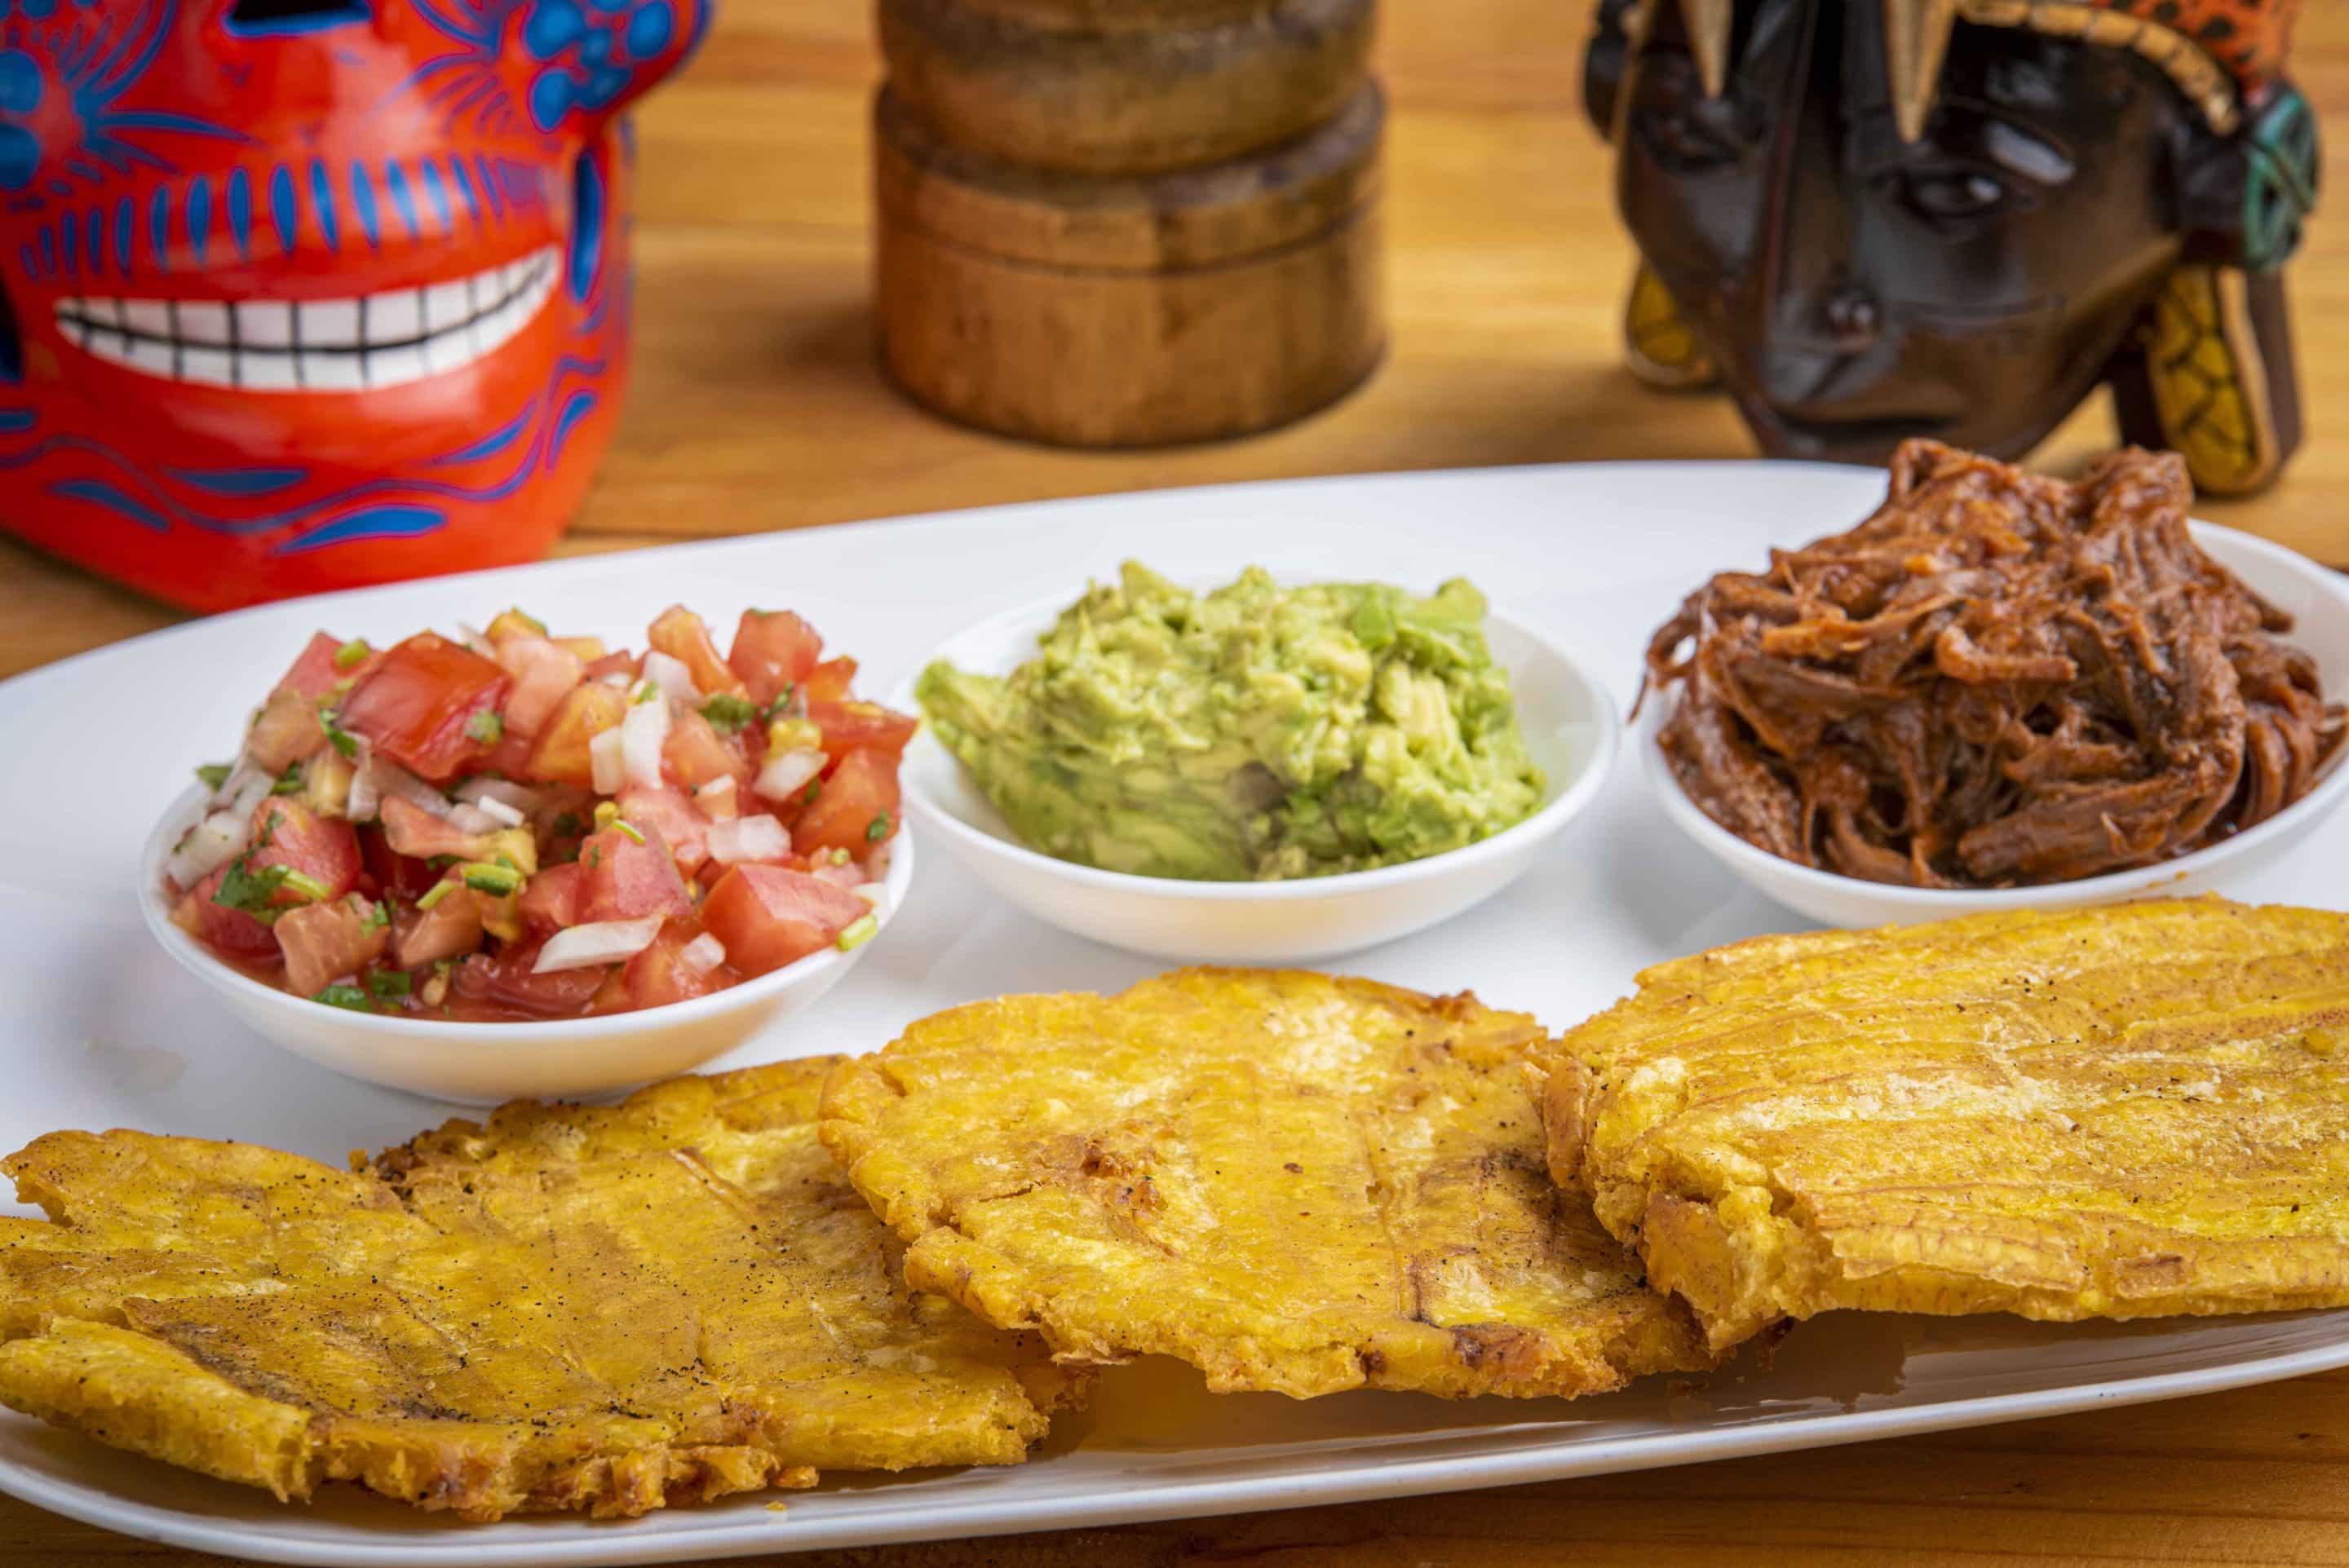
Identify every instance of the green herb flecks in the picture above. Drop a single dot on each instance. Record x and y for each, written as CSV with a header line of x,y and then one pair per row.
x,y
352,655
485,727
728,712
345,996
877,829
345,744
212,775
390,983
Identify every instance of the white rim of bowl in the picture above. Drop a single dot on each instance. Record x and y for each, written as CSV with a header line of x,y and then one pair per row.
x,y
205,965
2144,880
1569,800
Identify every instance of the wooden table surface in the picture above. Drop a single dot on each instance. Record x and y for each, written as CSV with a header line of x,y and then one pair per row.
x,y
757,405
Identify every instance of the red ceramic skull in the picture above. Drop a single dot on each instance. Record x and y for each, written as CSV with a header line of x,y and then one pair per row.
x,y
305,294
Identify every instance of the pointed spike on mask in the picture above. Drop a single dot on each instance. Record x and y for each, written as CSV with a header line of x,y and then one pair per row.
x,y
1915,41
1708,24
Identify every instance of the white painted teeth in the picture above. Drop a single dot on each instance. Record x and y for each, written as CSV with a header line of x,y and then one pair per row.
x,y
316,345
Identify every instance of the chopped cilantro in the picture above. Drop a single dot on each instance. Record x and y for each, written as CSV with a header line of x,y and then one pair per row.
x,y
288,782
728,712
305,884
630,828
877,829
251,889
485,727
349,997
212,775
352,655
390,982
595,855
498,881
345,743
783,698
374,919
816,788
568,826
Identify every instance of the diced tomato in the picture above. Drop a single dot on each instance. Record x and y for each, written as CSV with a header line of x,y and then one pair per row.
x,y
620,879
855,810
549,900
419,701
619,662
325,942
862,726
315,673
696,754
772,649
402,876
417,832
561,756
450,927
830,681
768,916
505,979
543,674
682,827
285,730
230,930
288,833
660,975
681,634
510,757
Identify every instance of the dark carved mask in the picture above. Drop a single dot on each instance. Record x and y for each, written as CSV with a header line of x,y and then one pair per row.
x,y
1875,219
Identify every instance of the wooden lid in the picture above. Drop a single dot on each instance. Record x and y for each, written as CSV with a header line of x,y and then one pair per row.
x,y
1133,101
1159,222
1115,16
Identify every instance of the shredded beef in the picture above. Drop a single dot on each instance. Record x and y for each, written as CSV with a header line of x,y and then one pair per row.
x,y
1997,679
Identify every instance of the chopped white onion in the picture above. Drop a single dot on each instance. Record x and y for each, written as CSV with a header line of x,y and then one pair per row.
x,y
787,772
521,796
239,785
703,953
472,637
208,846
248,798
757,837
618,680
474,819
498,811
608,769
364,800
642,734
392,779
717,800
598,942
674,679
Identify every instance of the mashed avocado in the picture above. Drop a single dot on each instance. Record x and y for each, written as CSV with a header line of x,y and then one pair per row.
x,y
1254,732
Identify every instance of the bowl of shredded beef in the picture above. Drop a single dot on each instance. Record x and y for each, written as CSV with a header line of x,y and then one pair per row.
x,y
2002,680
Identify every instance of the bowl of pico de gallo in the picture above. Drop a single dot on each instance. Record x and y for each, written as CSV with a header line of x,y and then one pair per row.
x,y
513,862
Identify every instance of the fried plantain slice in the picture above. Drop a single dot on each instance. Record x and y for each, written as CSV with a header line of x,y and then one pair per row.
x,y
610,1310
1294,1182
2130,1111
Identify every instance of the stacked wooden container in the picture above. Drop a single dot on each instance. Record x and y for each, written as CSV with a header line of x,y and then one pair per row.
x,y
1128,222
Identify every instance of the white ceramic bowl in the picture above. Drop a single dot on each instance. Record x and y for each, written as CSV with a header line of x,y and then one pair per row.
x,y
487,1063
1570,726
2318,600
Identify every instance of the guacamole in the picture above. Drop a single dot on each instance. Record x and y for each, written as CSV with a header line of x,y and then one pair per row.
x,y
1254,732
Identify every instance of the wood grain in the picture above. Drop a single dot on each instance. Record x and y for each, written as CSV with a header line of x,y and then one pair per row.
x,y
758,406
1125,100
1130,310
